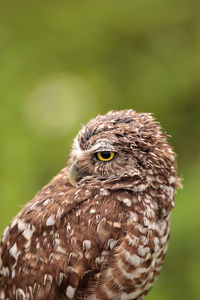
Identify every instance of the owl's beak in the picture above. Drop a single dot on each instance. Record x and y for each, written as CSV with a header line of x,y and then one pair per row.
x,y
74,174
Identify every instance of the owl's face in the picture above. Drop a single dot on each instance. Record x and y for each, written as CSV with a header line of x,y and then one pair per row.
x,y
102,160
119,145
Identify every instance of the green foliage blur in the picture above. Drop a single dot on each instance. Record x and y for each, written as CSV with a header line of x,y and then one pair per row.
x,y
63,62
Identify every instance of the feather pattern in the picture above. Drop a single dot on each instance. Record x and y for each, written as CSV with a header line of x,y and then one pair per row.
x,y
106,236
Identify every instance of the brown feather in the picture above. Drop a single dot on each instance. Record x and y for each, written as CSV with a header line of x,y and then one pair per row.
x,y
106,236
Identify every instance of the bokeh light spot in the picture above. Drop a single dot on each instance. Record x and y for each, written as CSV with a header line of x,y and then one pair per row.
x,y
58,103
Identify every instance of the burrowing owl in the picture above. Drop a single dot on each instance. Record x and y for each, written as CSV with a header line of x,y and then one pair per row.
x,y
99,229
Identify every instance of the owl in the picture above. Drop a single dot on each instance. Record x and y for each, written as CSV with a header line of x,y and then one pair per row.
x,y
99,230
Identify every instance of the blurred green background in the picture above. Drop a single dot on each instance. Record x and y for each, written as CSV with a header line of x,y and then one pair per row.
x,y
63,62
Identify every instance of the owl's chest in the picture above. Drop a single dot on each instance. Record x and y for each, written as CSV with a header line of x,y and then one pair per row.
x,y
109,216
119,224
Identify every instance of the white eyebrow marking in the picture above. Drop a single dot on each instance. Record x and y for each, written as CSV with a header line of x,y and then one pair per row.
x,y
76,147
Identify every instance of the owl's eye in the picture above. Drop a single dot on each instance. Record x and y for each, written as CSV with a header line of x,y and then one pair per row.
x,y
105,155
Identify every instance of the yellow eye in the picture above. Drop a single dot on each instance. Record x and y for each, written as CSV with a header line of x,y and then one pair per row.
x,y
105,155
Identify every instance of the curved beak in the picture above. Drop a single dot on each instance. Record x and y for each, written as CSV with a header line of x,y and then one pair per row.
x,y
74,174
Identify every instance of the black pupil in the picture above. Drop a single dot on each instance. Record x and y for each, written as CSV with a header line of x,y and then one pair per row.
x,y
105,154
